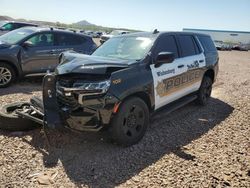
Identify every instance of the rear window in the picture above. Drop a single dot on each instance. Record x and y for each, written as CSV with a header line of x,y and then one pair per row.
x,y
188,45
207,43
63,39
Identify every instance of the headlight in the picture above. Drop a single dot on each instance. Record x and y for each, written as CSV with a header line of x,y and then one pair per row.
x,y
102,86
85,88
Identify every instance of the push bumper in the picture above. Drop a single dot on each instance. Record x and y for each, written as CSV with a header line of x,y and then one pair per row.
x,y
91,114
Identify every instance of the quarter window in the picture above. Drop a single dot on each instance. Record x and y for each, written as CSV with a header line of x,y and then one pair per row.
x,y
69,40
207,43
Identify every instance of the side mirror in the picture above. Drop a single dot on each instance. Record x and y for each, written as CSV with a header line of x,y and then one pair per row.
x,y
164,57
27,44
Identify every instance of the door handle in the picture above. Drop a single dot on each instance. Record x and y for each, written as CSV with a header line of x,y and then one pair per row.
x,y
201,61
180,66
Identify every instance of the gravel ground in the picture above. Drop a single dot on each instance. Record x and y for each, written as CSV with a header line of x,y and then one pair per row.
x,y
191,147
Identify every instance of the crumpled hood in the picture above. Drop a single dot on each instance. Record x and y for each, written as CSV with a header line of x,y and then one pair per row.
x,y
72,62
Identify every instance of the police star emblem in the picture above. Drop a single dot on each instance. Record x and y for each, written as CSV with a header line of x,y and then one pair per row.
x,y
160,89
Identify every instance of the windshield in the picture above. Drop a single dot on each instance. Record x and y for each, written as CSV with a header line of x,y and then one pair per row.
x,y
129,48
15,36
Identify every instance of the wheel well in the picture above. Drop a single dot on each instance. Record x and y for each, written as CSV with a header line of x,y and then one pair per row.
x,y
143,96
12,65
210,74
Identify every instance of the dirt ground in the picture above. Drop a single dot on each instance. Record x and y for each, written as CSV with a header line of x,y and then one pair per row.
x,y
191,147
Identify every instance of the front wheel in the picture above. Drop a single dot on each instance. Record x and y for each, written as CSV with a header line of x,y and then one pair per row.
x,y
205,91
130,123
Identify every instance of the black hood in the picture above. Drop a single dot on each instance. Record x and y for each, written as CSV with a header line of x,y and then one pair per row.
x,y
78,63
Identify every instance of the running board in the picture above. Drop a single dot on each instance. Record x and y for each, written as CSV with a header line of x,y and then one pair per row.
x,y
176,104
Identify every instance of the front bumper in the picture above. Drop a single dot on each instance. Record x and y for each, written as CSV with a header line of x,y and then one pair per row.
x,y
90,114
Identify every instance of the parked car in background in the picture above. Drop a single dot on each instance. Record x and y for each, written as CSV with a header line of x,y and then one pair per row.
x,y
6,26
32,50
105,37
240,47
98,34
220,45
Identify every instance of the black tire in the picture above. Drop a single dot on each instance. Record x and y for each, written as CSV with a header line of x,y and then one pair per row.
x,y
9,120
205,90
7,75
130,123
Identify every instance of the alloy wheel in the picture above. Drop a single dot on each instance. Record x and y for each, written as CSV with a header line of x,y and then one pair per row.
x,y
5,76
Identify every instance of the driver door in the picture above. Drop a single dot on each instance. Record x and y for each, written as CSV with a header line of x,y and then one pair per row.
x,y
39,56
166,88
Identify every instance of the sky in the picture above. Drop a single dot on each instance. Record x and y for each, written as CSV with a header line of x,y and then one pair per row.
x,y
147,15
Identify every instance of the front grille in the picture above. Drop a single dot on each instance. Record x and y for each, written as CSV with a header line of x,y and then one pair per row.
x,y
71,102
66,101
65,82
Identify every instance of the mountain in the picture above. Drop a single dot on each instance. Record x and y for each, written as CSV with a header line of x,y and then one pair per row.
x,y
84,23
6,18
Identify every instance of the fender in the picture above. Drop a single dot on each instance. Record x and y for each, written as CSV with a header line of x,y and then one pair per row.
x,y
13,58
130,81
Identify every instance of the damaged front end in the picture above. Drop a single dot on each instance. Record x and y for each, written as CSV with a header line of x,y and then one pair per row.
x,y
77,95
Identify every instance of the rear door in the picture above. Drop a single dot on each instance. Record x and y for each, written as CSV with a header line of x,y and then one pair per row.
x,y
39,56
195,62
71,41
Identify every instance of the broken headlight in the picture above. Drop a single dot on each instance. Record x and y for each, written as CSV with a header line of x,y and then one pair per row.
x,y
96,87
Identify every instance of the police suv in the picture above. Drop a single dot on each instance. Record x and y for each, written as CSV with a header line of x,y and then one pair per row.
x,y
125,80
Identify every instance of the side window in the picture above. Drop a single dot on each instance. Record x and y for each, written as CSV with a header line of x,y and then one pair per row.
x,y
207,43
17,25
63,39
44,39
166,44
8,27
188,45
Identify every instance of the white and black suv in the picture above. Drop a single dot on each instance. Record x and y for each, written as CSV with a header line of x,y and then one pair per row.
x,y
126,79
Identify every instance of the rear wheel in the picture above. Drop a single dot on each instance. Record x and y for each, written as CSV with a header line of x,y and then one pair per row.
x,y
129,125
7,75
9,120
205,91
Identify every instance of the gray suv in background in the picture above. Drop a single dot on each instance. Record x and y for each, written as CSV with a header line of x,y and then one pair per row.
x,y
30,50
7,26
